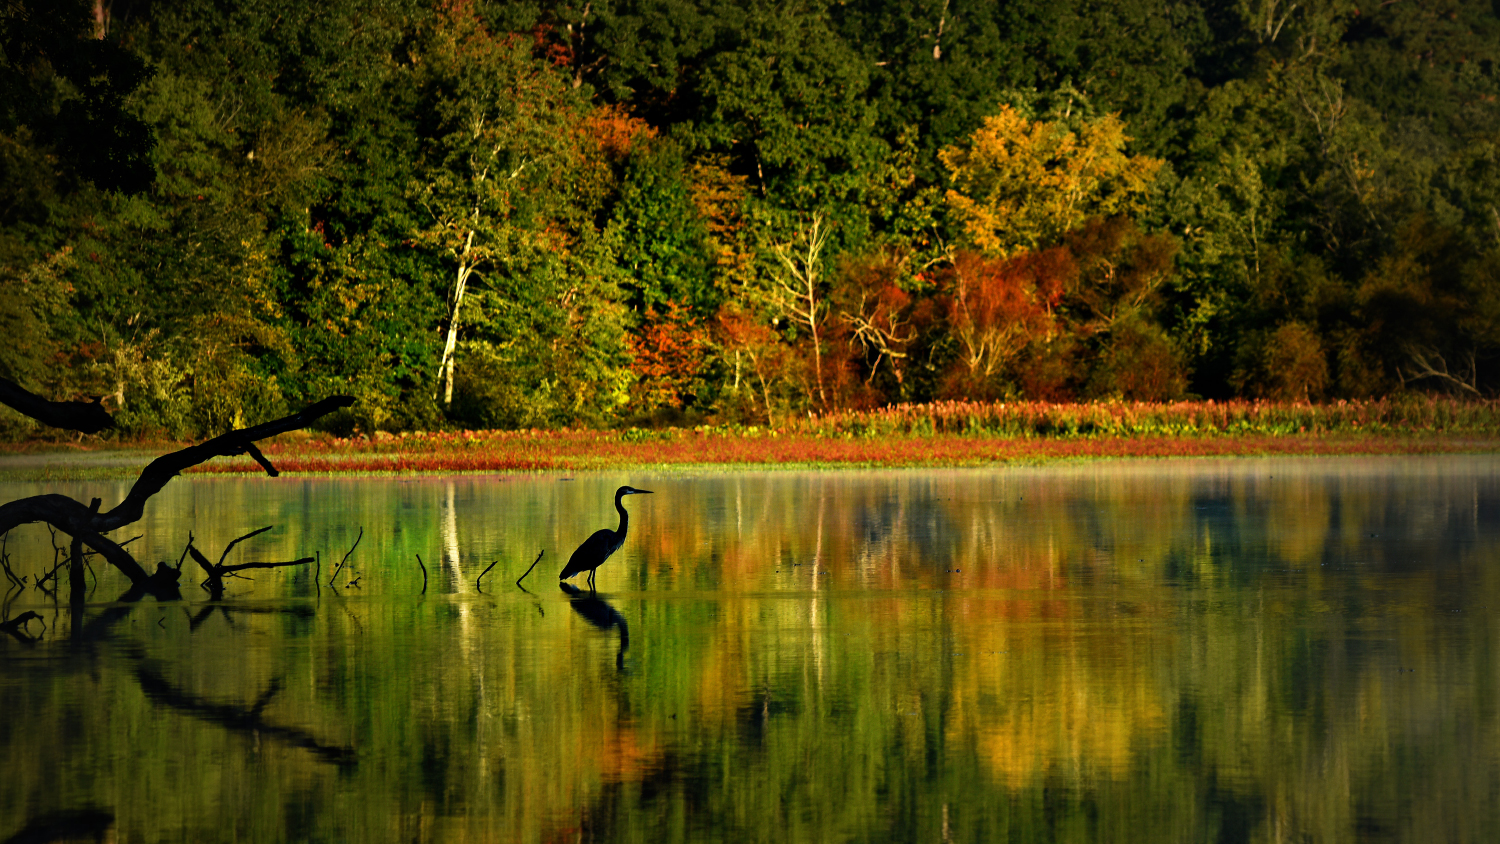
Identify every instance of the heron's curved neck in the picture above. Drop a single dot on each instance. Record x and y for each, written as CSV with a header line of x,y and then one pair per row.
x,y
624,516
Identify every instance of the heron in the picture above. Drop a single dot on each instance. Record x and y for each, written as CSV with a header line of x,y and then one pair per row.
x,y
597,548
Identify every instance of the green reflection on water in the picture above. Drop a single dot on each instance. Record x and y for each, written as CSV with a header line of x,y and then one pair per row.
x,y
1176,651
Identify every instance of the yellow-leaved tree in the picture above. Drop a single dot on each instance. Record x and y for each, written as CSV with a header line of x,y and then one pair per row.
x,y
1021,184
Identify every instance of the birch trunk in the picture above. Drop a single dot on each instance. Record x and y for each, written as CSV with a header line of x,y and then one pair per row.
x,y
445,368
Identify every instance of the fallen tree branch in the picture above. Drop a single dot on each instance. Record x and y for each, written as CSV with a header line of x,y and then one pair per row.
x,y
89,526
1428,363
88,417
17,626
216,572
478,581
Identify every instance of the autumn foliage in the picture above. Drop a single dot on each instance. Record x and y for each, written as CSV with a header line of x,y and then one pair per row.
x,y
669,351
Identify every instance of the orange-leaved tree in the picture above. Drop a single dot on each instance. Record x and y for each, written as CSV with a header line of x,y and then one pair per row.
x,y
995,309
754,354
669,356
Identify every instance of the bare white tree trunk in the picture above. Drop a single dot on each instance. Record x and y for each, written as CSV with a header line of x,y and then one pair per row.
x,y
803,303
445,367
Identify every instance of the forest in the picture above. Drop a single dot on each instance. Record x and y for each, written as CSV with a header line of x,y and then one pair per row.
x,y
471,214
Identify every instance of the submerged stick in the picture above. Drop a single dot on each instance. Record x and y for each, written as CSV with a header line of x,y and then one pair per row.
x,y
533,565
480,578
424,573
340,567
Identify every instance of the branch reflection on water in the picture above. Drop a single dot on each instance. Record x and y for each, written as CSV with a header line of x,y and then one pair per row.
x,y
248,719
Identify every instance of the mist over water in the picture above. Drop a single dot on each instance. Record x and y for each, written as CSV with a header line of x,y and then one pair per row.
x,y
1225,650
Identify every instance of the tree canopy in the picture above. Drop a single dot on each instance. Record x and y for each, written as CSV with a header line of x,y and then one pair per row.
x,y
510,214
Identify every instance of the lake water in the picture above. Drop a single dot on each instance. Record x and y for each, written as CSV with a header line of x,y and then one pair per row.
x,y
1230,650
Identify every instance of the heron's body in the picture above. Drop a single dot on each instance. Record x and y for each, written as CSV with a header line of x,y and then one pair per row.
x,y
598,548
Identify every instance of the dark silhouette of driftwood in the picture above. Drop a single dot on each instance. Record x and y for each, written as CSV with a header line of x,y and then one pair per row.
x,y
533,565
216,572
87,525
87,417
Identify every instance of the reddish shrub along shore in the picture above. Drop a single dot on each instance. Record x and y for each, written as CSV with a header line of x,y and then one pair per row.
x,y
573,450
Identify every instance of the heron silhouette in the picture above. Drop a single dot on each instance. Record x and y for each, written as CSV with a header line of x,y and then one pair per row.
x,y
597,548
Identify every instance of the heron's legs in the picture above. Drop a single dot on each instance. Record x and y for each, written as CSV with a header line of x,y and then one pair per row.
x,y
592,572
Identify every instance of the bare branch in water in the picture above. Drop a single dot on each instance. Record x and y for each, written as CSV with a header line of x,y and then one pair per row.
x,y
479,580
87,525
533,565
340,566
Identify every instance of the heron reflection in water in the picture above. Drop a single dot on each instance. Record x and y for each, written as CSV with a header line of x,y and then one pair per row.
x,y
597,548
600,614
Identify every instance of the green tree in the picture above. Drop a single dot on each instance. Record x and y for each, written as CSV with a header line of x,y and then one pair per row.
x,y
496,149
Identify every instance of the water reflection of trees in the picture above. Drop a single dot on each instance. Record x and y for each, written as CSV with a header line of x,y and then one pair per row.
x,y
1231,643
1167,656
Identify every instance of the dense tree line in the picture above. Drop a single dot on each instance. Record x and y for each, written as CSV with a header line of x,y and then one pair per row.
x,y
539,214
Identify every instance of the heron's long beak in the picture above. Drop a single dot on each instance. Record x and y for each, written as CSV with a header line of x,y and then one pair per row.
x,y
640,491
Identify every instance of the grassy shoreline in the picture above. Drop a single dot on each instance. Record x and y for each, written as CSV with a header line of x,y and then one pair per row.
x,y
592,451
951,434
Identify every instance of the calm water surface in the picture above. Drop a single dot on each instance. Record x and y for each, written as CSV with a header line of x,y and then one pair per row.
x,y
1240,650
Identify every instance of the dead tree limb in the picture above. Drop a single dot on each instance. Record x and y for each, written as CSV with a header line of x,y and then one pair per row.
x,y
88,417
20,582
479,581
1429,363
340,566
89,526
17,626
528,571
216,572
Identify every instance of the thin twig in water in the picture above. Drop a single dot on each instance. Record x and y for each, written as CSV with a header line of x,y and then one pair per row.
x,y
49,576
424,574
533,565
480,578
334,576
5,562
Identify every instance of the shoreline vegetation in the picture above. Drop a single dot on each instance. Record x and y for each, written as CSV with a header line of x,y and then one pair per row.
x,y
942,434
